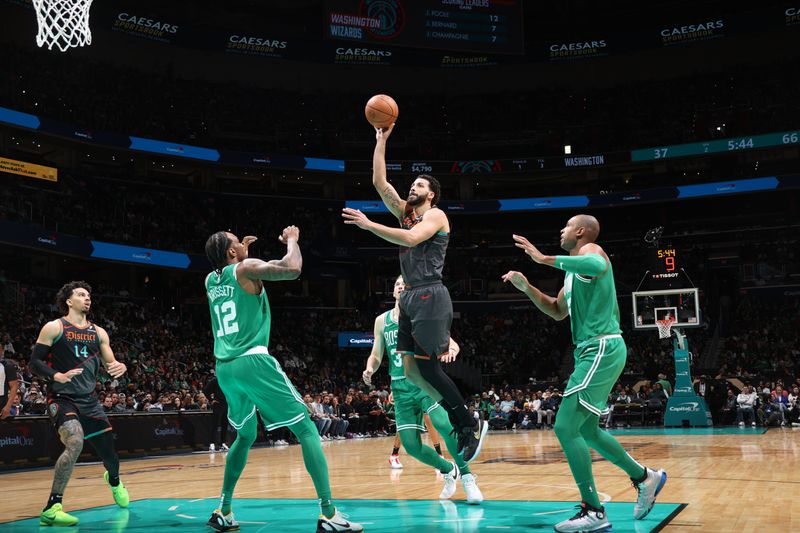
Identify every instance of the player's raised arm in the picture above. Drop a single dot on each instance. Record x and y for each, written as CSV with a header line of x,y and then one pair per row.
x,y
388,193
555,308
115,368
286,268
376,356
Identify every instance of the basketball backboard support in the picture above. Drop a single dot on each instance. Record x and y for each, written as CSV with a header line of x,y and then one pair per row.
x,y
682,305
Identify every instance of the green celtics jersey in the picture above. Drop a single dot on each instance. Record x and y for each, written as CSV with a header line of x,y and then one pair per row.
x,y
390,329
592,305
240,321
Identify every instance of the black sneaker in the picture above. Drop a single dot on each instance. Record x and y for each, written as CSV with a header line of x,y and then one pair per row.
x,y
470,441
220,522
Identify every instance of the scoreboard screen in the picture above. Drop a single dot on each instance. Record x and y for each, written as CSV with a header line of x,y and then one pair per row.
x,y
487,26
666,269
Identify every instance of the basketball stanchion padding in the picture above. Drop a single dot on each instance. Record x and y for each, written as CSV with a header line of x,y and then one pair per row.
x,y
63,23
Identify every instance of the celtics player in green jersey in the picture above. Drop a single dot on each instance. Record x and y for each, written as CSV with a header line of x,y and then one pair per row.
x,y
249,376
411,404
589,298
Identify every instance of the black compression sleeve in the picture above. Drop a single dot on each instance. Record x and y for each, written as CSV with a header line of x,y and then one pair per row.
x,y
38,364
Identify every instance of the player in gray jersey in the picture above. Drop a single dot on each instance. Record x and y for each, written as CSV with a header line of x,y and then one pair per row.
x,y
426,311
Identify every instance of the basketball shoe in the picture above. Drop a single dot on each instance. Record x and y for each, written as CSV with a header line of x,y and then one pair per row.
x,y
648,489
449,487
55,516
394,462
221,522
338,523
470,440
474,494
119,492
586,520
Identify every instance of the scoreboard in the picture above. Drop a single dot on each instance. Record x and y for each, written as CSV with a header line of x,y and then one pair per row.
x,y
665,269
486,26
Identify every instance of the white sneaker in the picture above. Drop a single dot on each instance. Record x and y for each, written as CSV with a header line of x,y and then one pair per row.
x,y
224,447
449,487
648,490
741,424
394,462
281,442
212,448
337,523
753,424
585,521
474,494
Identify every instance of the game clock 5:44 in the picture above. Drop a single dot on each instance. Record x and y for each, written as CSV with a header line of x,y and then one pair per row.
x,y
664,269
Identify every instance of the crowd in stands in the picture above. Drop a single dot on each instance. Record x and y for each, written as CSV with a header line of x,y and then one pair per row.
x,y
170,364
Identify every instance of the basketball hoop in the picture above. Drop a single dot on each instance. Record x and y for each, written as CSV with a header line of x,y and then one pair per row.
x,y
63,23
665,327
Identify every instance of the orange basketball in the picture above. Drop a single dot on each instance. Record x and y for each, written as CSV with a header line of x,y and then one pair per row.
x,y
381,111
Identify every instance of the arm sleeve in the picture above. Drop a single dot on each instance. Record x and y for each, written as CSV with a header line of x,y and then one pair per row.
x,y
38,364
587,265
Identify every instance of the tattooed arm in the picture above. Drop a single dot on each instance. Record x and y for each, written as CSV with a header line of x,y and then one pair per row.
x,y
389,195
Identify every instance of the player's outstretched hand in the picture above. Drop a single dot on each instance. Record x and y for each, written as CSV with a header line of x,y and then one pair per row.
x,y
289,232
517,279
66,377
367,376
356,217
528,248
381,134
250,239
116,369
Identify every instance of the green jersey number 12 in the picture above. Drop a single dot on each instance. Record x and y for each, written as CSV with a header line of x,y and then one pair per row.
x,y
226,317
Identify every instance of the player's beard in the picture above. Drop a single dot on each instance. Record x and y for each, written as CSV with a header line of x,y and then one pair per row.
x,y
415,200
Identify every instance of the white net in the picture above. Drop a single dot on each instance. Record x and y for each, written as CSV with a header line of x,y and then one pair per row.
x,y
63,23
665,327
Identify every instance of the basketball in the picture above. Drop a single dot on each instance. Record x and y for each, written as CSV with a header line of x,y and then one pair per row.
x,y
381,111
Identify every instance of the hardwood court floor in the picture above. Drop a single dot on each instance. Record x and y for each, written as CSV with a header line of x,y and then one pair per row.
x,y
731,482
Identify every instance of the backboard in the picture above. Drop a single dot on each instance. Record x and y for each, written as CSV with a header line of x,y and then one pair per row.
x,y
681,304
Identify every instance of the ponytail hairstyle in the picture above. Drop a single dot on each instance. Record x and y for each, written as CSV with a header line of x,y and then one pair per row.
x,y
217,250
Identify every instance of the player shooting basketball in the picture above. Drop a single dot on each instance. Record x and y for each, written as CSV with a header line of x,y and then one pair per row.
x,y
426,311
